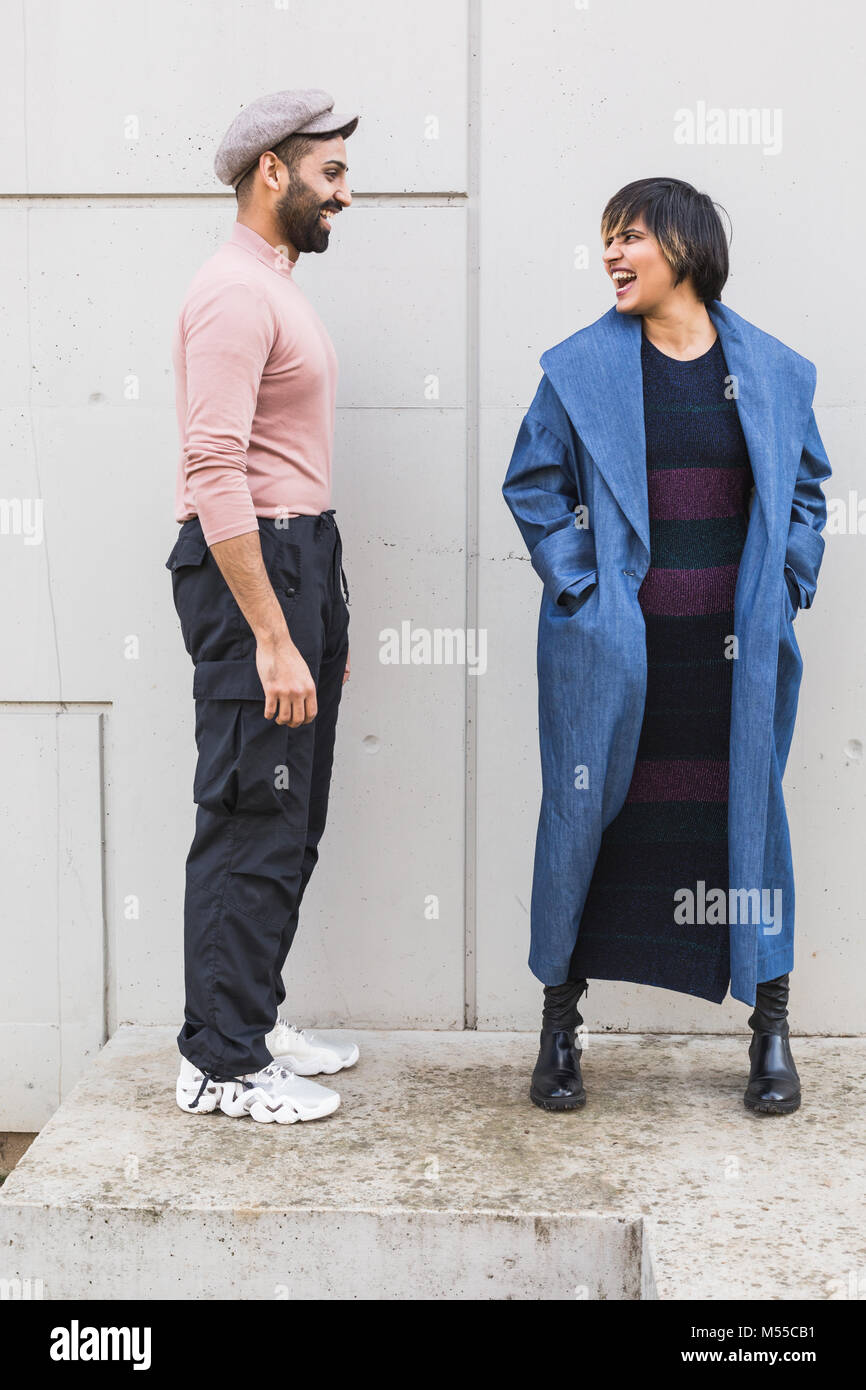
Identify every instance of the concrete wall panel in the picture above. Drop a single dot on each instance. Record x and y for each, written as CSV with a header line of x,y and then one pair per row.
x,y
150,118
52,983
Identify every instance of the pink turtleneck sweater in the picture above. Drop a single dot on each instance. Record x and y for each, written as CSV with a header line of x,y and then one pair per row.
x,y
255,390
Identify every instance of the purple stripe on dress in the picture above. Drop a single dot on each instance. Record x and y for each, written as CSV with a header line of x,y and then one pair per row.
x,y
688,593
698,779
696,494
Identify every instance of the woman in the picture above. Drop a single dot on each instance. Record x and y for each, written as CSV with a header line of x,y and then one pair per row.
x,y
667,482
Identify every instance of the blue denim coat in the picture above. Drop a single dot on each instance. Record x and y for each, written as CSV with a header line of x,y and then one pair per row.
x,y
582,446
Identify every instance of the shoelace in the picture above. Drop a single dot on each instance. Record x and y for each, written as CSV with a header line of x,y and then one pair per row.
x,y
277,1072
273,1071
207,1076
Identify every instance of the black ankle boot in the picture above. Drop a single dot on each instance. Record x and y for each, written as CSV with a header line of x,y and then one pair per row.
x,y
774,1086
556,1080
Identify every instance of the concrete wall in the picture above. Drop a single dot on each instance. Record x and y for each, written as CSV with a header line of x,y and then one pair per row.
x,y
492,134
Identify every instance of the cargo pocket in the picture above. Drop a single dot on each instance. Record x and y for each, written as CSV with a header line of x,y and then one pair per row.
x,y
186,559
213,626
227,680
190,548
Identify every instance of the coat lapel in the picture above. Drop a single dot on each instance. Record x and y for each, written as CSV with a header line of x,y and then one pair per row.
x,y
751,371
597,376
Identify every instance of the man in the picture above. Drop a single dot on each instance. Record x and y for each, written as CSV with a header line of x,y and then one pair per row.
x,y
257,574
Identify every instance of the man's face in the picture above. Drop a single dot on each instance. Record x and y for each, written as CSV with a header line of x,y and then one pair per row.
x,y
317,190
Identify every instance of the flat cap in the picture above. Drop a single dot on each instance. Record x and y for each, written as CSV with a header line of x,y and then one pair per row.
x,y
268,120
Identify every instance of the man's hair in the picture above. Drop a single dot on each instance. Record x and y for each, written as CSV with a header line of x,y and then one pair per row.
x,y
290,152
685,223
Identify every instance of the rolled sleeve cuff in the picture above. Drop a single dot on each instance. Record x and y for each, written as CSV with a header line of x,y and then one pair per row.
x,y
803,559
564,558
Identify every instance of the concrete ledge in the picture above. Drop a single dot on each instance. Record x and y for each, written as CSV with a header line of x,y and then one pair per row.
x,y
13,1146
437,1179
324,1254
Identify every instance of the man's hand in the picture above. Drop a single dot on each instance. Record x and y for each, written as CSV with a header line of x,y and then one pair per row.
x,y
289,690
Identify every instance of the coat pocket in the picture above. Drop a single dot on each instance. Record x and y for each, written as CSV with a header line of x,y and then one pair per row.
x,y
572,598
791,595
565,559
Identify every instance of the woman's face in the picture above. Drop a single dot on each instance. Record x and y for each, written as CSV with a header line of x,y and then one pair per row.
x,y
641,276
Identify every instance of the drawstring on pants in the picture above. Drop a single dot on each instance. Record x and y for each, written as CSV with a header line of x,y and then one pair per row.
x,y
326,518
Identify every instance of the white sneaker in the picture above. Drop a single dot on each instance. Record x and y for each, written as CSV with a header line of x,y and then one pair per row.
x,y
189,1093
273,1095
308,1054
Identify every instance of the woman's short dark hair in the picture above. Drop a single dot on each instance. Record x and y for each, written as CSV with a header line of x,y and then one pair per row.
x,y
685,223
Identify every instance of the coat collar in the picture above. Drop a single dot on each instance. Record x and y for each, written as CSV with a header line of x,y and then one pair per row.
x,y
597,375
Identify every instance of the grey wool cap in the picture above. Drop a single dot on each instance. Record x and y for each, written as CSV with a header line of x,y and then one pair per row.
x,y
268,120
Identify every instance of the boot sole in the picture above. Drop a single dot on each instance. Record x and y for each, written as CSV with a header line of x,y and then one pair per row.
x,y
545,1103
772,1107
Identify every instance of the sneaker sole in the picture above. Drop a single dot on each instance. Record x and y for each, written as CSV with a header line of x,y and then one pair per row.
x,y
320,1064
230,1103
235,1103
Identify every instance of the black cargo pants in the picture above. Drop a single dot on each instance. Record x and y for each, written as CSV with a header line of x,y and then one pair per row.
x,y
261,788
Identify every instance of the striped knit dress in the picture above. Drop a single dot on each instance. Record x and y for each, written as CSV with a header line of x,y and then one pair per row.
x,y
672,832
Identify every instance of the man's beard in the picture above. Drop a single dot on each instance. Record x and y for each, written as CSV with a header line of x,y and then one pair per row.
x,y
297,213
